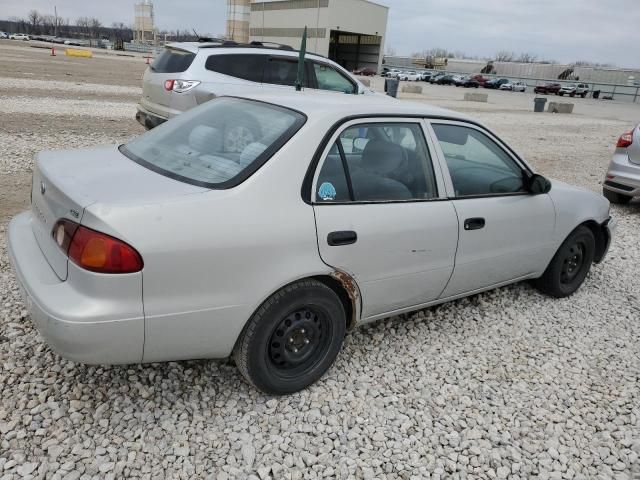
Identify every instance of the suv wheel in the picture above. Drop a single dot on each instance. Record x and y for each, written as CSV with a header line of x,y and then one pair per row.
x,y
615,197
570,265
292,339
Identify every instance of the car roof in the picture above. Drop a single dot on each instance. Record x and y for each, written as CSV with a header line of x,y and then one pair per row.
x,y
217,48
335,107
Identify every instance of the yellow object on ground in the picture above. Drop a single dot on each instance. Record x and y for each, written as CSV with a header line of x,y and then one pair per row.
x,y
76,52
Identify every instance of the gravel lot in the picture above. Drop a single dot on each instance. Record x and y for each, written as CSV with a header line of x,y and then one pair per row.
x,y
507,384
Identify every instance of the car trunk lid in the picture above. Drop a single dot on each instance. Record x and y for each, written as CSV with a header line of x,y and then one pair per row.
x,y
66,182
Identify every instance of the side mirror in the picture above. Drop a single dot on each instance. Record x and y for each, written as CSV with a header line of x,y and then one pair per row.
x,y
538,184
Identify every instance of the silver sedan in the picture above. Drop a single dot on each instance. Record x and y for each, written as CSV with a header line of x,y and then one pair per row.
x,y
265,227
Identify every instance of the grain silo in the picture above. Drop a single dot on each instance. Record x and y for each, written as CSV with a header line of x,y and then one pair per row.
x,y
144,30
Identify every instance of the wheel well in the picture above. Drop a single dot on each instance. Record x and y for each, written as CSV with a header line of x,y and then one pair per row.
x,y
601,236
348,302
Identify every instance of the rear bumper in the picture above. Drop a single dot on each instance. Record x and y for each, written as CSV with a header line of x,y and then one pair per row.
x,y
147,119
76,325
626,176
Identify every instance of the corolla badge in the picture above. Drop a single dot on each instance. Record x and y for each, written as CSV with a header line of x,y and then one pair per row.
x,y
43,188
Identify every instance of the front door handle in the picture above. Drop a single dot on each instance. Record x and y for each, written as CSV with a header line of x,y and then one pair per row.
x,y
474,223
345,237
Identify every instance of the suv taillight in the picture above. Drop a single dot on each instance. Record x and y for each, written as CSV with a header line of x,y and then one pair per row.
x,y
96,251
625,140
180,86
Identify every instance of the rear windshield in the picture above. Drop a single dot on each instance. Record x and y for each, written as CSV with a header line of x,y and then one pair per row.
x,y
218,144
172,61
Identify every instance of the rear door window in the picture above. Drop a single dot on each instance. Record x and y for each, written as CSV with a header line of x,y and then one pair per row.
x,y
377,162
172,60
246,67
283,71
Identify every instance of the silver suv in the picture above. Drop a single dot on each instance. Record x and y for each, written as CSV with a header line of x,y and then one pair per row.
x,y
573,89
188,74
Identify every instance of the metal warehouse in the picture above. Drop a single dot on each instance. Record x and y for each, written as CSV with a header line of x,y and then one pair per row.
x,y
350,32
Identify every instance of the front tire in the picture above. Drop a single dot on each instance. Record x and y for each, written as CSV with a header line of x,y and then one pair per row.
x,y
615,197
292,339
570,265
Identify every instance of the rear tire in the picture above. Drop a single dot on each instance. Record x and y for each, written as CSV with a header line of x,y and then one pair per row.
x,y
292,339
615,197
570,265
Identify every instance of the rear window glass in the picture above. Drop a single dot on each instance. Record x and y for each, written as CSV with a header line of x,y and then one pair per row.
x,y
172,61
218,144
246,67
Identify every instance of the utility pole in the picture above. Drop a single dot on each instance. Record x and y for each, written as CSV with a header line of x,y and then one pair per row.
x,y
55,27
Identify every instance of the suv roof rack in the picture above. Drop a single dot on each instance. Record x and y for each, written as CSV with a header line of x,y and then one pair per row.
x,y
253,44
256,44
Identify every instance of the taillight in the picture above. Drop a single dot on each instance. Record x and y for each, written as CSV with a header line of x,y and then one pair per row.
x,y
180,86
96,251
625,140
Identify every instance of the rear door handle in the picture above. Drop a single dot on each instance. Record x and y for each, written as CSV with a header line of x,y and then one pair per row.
x,y
345,237
474,223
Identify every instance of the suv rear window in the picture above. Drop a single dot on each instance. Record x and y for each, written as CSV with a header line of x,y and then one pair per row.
x,y
218,144
172,60
246,67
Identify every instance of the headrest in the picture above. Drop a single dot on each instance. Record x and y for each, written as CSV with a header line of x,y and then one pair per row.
x,y
381,157
206,139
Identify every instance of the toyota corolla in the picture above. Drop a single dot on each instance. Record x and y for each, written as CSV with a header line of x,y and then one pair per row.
x,y
265,227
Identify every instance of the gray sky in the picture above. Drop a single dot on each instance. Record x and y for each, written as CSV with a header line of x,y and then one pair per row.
x,y
603,31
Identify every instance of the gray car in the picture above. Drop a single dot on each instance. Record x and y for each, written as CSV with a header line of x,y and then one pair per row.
x,y
622,181
188,74
267,226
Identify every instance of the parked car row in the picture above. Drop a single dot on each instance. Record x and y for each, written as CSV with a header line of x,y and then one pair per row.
x,y
572,89
14,36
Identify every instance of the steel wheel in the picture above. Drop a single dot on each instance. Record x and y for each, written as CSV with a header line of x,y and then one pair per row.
x,y
293,338
572,263
299,341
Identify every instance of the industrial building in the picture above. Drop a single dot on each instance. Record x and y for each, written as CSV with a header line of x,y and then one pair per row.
x,y
350,32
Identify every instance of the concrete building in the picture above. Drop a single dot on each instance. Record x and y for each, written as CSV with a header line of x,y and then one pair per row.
x,y
238,20
350,32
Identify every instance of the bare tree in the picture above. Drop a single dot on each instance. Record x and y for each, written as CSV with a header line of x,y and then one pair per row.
x,y
527,58
34,19
83,24
504,56
95,27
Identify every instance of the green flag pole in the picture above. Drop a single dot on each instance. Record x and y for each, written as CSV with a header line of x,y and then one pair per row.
x,y
303,51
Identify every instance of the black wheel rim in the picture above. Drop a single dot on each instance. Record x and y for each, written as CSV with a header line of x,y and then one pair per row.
x,y
299,342
572,263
